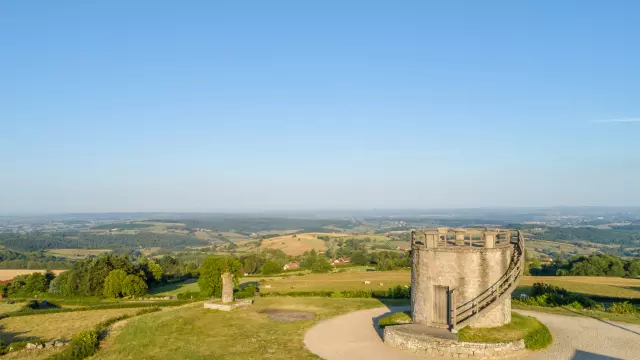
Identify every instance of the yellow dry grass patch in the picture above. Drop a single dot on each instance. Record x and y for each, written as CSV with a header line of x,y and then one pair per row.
x,y
294,245
55,326
8,274
7,308
32,354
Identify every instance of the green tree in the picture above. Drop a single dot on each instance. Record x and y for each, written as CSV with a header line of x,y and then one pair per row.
x,y
155,270
633,269
359,258
210,281
271,267
308,259
36,283
114,284
133,286
321,265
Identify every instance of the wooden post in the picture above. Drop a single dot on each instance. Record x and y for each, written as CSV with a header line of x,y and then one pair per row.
x,y
453,308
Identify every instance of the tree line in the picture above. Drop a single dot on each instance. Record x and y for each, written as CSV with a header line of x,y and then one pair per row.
x,y
32,242
109,275
592,265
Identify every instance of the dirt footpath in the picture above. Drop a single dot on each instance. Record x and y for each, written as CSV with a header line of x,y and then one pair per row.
x,y
353,336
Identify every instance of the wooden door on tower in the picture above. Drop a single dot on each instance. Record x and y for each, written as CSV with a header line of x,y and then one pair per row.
x,y
441,305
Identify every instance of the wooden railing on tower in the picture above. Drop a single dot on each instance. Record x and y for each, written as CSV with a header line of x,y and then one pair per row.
x,y
462,314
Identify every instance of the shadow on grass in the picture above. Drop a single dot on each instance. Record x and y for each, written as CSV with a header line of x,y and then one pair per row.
x,y
393,305
171,286
18,336
585,355
601,320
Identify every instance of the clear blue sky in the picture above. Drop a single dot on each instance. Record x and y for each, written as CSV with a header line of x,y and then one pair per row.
x,y
271,105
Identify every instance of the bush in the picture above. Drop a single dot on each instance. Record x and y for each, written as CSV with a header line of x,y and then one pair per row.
x,y
623,308
247,292
84,344
192,295
576,306
271,267
399,292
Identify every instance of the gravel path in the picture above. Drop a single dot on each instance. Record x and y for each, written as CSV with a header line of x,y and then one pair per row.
x,y
353,336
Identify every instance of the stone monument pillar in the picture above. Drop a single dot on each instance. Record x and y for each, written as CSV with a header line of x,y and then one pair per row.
x,y
227,288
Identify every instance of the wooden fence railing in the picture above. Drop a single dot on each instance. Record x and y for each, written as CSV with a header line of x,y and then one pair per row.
x,y
461,315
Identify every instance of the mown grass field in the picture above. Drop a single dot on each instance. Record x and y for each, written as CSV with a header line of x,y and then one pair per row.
x,y
191,332
354,280
7,308
348,280
590,285
54,326
8,274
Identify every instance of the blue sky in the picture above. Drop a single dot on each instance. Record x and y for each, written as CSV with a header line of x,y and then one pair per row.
x,y
272,105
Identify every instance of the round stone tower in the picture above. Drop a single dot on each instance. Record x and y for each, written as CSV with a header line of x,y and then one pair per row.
x,y
463,277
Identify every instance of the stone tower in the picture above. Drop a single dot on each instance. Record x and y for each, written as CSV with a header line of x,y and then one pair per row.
x,y
463,277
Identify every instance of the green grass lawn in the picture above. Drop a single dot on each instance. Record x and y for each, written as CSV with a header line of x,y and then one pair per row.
x,y
535,334
190,285
191,332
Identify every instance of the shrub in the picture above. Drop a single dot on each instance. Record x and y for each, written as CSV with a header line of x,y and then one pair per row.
x,y
84,344
575,305
247,292
597,307
189,295
271,267
399,292
623,308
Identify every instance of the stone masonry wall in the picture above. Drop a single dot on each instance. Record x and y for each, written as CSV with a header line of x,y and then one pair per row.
x,y
467,270
426,345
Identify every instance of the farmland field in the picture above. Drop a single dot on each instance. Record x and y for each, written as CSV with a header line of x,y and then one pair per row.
x,y
554,246
294,245
54,326
77,253
338,281
590,285
8,274
602,286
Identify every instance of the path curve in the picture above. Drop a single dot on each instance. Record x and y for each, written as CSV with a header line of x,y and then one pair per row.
x,y
353,336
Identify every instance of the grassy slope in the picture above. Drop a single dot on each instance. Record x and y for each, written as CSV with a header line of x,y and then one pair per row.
x,y
192,332
54,326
